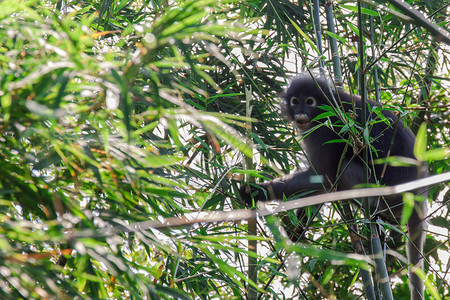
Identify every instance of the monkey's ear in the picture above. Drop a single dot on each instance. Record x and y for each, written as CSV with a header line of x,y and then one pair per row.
x,y
281,95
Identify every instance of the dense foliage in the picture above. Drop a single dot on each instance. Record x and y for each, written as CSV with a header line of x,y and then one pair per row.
x,y
119,112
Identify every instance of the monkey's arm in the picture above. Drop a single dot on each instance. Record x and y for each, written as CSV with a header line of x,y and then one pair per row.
x,y
286,185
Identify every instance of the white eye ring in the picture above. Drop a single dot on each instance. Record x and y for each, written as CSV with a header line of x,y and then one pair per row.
x,y
310,101
295,101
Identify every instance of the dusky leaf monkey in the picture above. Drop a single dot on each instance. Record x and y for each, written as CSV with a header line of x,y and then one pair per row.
x,y
318,111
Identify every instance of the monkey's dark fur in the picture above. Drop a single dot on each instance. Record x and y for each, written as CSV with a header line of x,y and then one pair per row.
x,y
338,162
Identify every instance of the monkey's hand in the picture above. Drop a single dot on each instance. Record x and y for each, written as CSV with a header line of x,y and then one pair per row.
x,y
251,193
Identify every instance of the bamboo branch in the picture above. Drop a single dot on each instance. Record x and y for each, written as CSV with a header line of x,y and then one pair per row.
x,y
245,214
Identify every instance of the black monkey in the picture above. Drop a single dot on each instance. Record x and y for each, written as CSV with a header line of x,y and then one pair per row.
x,y
339,165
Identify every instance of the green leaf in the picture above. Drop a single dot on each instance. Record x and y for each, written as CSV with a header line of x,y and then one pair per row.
x,y
336,141
397,161
436,154
440,221
175,293
324,115
305,36
408,207
157,161
365,11
333,35
420,146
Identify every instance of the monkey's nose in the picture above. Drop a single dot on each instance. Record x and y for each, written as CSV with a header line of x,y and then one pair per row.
x,y
302,121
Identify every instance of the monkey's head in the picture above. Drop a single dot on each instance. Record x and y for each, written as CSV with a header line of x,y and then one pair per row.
x,y
302,98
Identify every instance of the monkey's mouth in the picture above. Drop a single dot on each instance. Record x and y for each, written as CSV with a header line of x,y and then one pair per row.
x,y
302,122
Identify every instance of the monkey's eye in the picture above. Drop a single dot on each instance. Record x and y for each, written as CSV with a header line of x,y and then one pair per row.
x,y
295,101
310,101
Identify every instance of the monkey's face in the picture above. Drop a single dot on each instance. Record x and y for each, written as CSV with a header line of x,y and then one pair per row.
x,y
301,111
303,99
